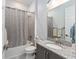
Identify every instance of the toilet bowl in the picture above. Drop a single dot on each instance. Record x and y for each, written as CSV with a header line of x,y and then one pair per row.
x,y
30,52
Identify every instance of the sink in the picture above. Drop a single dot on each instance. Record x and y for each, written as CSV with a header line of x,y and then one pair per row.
x,y
53,46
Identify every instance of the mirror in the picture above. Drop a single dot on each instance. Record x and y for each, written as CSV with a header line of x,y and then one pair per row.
x,y
61,20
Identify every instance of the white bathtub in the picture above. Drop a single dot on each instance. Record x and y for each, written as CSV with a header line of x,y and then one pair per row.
x,y
13,53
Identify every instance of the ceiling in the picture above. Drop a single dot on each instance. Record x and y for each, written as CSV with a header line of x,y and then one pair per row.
x,y
25,2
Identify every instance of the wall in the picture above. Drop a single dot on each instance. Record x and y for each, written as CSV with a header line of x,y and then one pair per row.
x,y
15,4
32,7
41,19
31,27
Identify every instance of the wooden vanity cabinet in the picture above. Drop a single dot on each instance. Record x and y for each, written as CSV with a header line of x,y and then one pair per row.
x,y
52,55
43,53
40,52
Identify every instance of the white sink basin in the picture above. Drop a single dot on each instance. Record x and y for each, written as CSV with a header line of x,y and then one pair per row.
x,y
53,46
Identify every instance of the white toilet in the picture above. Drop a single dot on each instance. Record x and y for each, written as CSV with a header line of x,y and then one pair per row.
x,y
30,52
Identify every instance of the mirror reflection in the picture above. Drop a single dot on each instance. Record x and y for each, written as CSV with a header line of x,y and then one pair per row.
x,y
61,21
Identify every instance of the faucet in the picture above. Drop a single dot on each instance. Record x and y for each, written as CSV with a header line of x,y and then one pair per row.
x,y
58,42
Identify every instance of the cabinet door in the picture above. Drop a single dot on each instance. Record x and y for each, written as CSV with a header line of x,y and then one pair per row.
x,y
40,52
52,55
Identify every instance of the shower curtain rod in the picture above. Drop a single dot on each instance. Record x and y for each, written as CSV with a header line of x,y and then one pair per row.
x,y
19,9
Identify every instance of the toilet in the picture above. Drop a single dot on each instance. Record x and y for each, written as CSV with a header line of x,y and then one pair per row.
x,y
30,52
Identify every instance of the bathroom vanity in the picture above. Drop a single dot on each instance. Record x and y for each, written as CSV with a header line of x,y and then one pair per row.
x,y
45,52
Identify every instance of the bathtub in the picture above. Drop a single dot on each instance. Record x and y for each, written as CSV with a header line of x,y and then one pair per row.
x,y
14,53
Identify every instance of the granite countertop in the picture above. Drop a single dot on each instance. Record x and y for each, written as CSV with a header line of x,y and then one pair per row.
x,y
66,52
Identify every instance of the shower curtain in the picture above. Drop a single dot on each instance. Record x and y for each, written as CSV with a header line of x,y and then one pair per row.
x,y
16,23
